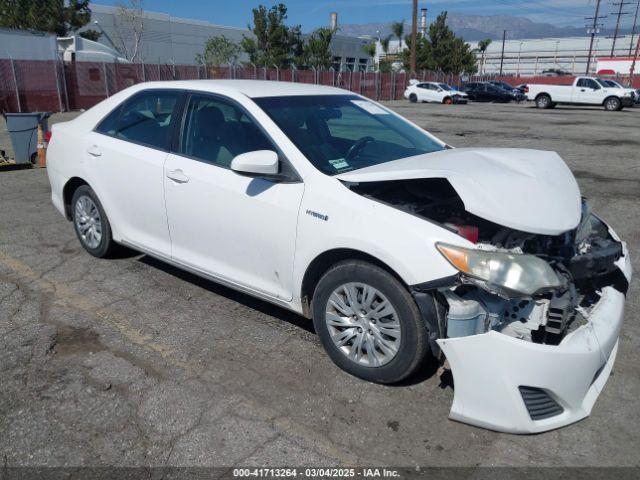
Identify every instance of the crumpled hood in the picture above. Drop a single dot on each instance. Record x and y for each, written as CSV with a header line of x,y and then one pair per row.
x,y
528,190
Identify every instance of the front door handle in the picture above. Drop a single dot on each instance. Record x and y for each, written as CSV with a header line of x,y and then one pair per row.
x,y
94,151
177,176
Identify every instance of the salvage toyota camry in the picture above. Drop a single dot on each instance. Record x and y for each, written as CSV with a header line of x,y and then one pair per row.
x,y
398,246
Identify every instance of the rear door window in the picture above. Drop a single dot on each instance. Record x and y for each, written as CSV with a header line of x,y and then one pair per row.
x,y
146,118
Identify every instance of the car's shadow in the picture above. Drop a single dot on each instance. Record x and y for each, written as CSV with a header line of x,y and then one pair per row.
x,y
239,297
428,370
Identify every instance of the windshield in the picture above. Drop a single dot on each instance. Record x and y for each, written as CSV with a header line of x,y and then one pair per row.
x,y
340,133
611,83
446,87
603,83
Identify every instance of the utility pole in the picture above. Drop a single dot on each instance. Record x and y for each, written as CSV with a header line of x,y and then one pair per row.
x,y
633,64
593,30
621,4
414,35
504,36
633,29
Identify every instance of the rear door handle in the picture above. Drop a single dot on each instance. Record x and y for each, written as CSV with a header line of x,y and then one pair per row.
x,y
94,151
177,176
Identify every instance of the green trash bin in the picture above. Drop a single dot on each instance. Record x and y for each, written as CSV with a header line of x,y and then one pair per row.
x,y
23,131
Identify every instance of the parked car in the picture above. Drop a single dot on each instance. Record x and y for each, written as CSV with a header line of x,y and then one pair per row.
x,y
434,92
614,84
397,245
485,92
521,88
583,91
516,94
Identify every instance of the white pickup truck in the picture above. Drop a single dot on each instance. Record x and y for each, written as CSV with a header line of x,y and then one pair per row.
x,y
584,91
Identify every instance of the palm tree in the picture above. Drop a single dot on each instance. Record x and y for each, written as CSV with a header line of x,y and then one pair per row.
x,y
370,50
398,30
384,43
482,47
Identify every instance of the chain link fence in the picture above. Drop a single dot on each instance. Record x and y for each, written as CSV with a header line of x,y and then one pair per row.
x,y
27,85
32,85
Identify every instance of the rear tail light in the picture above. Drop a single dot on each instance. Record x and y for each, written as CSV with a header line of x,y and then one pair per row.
x,y
47,136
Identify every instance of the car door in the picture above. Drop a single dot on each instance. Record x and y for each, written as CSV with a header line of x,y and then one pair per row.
x,y
422,92
588,91
125,158
239,229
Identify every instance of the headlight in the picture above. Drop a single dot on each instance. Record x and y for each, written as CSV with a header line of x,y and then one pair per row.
x,y
524,274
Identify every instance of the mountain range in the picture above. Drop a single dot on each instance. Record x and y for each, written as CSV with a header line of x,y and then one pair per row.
x,y
478,27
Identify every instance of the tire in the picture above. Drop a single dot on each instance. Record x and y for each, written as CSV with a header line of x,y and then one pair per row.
x,y
91,223
406,344
612,104
543,101
413,98
447,101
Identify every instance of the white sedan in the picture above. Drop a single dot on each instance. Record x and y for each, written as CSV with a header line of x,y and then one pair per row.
x,y
400,248
434,92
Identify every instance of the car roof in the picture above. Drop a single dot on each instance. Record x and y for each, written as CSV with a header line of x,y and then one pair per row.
x,y
250,88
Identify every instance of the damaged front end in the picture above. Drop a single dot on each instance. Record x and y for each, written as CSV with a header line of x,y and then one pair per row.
x,y
530,324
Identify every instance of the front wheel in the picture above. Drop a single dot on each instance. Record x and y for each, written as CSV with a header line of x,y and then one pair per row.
x,y
368,323
612,104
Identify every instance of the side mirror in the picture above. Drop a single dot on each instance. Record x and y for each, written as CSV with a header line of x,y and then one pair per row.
x,y
259,163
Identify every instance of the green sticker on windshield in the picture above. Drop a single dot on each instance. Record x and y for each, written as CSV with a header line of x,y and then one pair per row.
x,y
339,163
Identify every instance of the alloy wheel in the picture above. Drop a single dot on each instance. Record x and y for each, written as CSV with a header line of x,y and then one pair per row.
x,y
88,221
363,324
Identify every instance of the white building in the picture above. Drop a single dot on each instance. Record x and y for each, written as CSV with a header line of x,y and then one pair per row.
x,y
532,57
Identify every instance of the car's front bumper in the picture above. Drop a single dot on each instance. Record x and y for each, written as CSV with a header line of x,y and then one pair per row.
x,y
489,368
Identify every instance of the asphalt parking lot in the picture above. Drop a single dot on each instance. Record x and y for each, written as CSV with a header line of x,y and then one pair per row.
x,y
132,362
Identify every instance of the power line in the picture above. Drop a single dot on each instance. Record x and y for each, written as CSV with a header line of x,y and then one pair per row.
x,y
620,4
633,29
593,31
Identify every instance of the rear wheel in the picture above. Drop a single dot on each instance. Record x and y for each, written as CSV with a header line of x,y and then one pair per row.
x,y
368,323
91,223
612,104
543,101
413,98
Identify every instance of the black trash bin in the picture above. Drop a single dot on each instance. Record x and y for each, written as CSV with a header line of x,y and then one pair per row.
x,y
23,131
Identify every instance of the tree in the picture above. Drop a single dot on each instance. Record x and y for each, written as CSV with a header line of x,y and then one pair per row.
x,y
129,24
274,43
384,43
443,51
317,50
370,50
91,34
398,30
482,47
55,16
218,51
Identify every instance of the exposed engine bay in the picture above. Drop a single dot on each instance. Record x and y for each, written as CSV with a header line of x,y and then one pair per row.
x,y
583,259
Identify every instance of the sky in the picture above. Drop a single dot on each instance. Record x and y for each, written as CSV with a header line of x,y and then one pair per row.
x,y
313,14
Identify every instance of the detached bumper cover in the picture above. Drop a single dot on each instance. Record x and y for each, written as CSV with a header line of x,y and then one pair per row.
x,y
490,369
